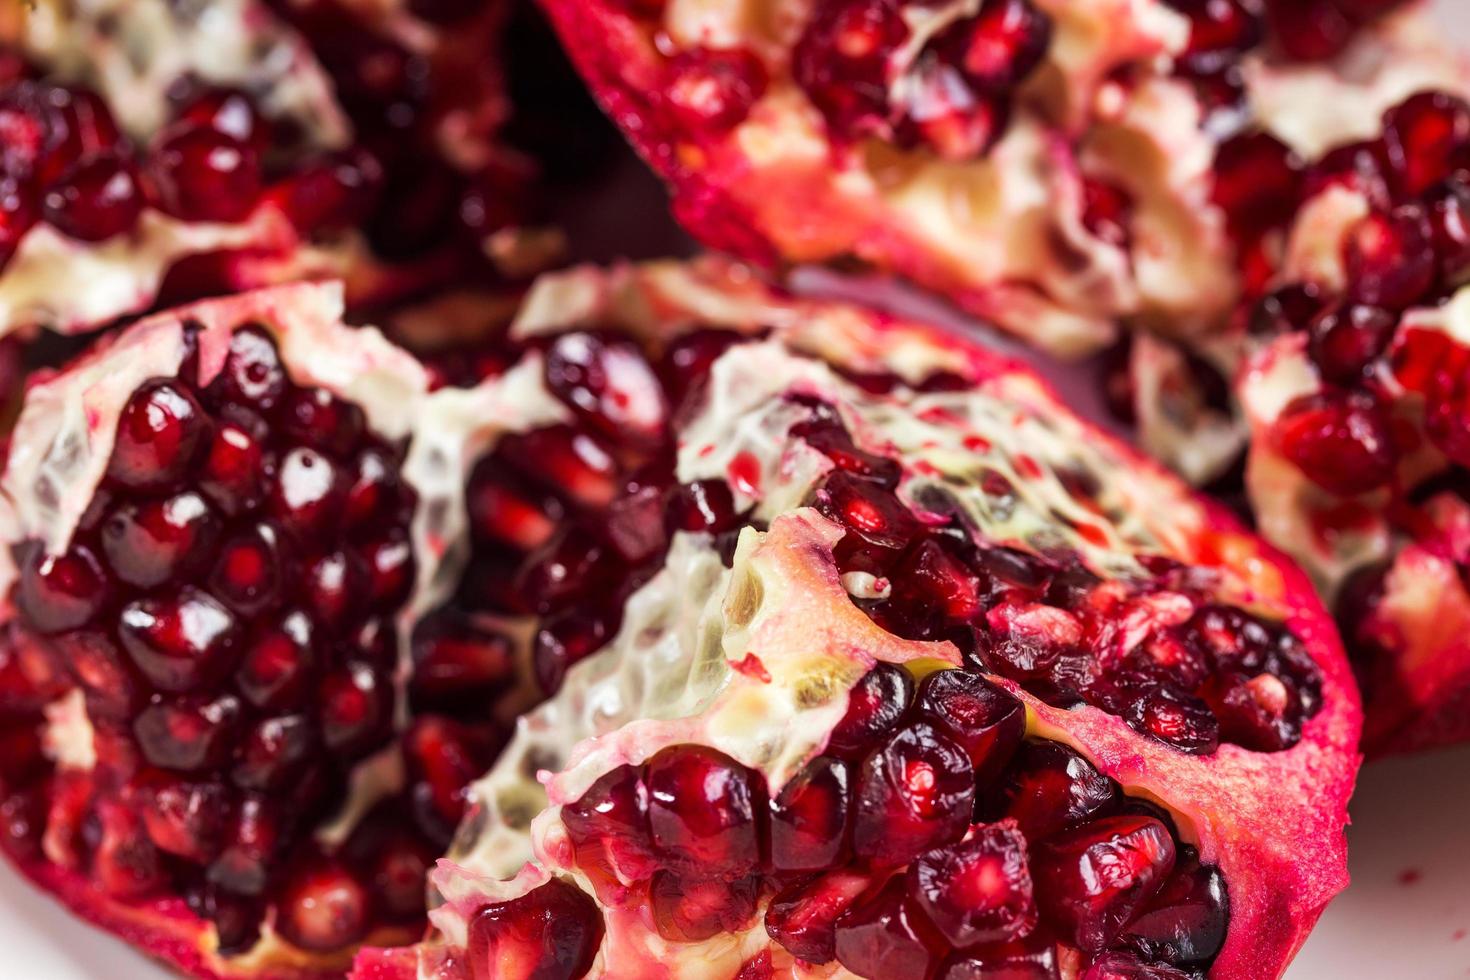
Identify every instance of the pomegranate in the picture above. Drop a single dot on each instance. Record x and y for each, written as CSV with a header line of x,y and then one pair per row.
x,y
940,681
153,160
1058,168
1357,407
215,527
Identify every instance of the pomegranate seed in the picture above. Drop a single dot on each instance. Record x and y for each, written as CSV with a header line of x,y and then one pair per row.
x,y
1361,167
335,590
456,660
1257,182
338,191
702,809
321,420
705,506
125,864
1446,418
914,792
273,752
609,384
94,662
1186,921
841,63
180,641
159,434
570,564
712,90
1347,341
502,510
809,817
1092,880
566,460
17,215
1000,46
888,936
550,933
59,593
185,819
929,581
1107,212
323,907
154,541
1220,31
190,734
307,494
1448,207
250,572
399,868
356,706
1420,134
1262,712
232,473
1309,30
690,909
1286,310
825,433
94,200
1034,958
253,844
442,758
979,890
803,917
1182,720
232,113
376,491
1389,257
1050,788
1340,440
201,174
868,509
987,722
46,128
278,660
252,374
874,706
567,638
1126,966
613,815
689,357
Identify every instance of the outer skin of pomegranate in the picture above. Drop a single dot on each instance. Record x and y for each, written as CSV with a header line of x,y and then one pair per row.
x,y
1272,822
180,258
357,364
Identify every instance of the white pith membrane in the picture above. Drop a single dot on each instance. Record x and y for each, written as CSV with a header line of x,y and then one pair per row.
x,y
65,435
669,675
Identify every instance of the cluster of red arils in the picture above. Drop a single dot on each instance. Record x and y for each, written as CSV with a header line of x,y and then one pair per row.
x,y
1205,673
198,677
930,840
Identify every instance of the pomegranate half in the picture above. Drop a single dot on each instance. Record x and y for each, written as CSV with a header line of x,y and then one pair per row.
x,y
910,673
218,529
1048,164
162,152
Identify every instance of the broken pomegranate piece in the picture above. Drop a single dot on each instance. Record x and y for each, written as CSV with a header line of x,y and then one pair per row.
x,y
1357,463
973,689
143,159
1053,166
214,528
